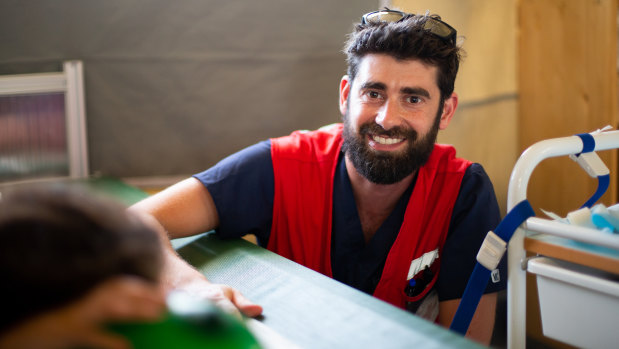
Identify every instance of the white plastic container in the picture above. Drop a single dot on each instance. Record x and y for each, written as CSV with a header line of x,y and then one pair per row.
x,y
578,305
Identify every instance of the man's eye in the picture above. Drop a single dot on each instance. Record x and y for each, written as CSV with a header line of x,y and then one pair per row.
x,y
373,94
413,99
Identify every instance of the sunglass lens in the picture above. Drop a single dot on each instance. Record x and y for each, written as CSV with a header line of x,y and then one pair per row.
x,y
383,17
439,29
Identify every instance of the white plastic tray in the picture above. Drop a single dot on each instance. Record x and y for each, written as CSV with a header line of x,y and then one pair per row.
x,y
578,305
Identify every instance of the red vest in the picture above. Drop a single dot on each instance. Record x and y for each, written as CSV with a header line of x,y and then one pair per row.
x,y
304,165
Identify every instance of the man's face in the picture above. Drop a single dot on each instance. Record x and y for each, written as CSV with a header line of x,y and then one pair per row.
x,y
392,116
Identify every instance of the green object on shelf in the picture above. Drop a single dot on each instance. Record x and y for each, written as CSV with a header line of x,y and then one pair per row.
x,y
190,323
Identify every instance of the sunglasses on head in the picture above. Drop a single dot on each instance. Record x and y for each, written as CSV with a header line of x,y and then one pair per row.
x,y
433,25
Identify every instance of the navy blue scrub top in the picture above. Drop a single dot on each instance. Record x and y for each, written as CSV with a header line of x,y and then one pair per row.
x,y
242,187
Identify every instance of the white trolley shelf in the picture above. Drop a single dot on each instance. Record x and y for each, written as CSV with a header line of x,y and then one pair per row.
x,y
579,300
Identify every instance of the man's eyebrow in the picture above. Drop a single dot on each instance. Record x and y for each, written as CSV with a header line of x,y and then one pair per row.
x,y
374,86
418,91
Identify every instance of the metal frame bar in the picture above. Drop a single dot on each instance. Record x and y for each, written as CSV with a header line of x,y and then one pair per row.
x,y
75,111
70,82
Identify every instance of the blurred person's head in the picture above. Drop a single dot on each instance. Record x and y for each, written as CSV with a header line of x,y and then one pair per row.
x,y
56,244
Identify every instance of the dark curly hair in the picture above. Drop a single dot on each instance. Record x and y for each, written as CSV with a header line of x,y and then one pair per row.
x,y
403,40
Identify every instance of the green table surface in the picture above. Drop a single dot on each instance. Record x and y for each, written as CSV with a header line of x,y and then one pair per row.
x,y
308,308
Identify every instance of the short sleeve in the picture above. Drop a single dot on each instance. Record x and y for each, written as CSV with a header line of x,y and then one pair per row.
x,y
242,188
476,212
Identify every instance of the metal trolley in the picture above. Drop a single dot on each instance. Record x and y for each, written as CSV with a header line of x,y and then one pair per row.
x,y
562,315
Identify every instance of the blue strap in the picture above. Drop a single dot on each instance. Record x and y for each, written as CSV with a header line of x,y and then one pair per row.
x,y
603,183
479,278
588,145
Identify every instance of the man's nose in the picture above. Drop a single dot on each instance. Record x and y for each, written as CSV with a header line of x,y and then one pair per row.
x,y
388,115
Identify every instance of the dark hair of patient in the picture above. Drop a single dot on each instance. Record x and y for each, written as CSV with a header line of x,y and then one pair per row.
x,y
57,244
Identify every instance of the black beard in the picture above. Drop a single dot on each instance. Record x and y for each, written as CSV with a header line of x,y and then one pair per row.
x,y
383,167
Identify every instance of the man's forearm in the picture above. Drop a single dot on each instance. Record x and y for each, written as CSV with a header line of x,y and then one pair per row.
x,y
482,324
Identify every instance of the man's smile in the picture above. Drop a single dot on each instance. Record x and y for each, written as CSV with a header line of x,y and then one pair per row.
x,y
386,140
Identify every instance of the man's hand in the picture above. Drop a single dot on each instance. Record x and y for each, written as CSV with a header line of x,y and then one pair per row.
x,y
224,296
82,323
179,275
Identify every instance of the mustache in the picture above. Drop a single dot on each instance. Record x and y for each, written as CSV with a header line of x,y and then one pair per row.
x,y
395,132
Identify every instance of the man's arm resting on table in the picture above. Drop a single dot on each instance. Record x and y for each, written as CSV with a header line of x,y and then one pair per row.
x,y
186,209
482,324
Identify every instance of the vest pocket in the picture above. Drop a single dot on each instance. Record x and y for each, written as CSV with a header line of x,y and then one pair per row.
x,y
420,297
425,306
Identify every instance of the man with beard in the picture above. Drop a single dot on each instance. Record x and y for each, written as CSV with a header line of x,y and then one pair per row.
x,y
373,203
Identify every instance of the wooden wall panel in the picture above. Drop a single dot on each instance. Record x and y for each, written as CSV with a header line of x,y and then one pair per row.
x,y
567,85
